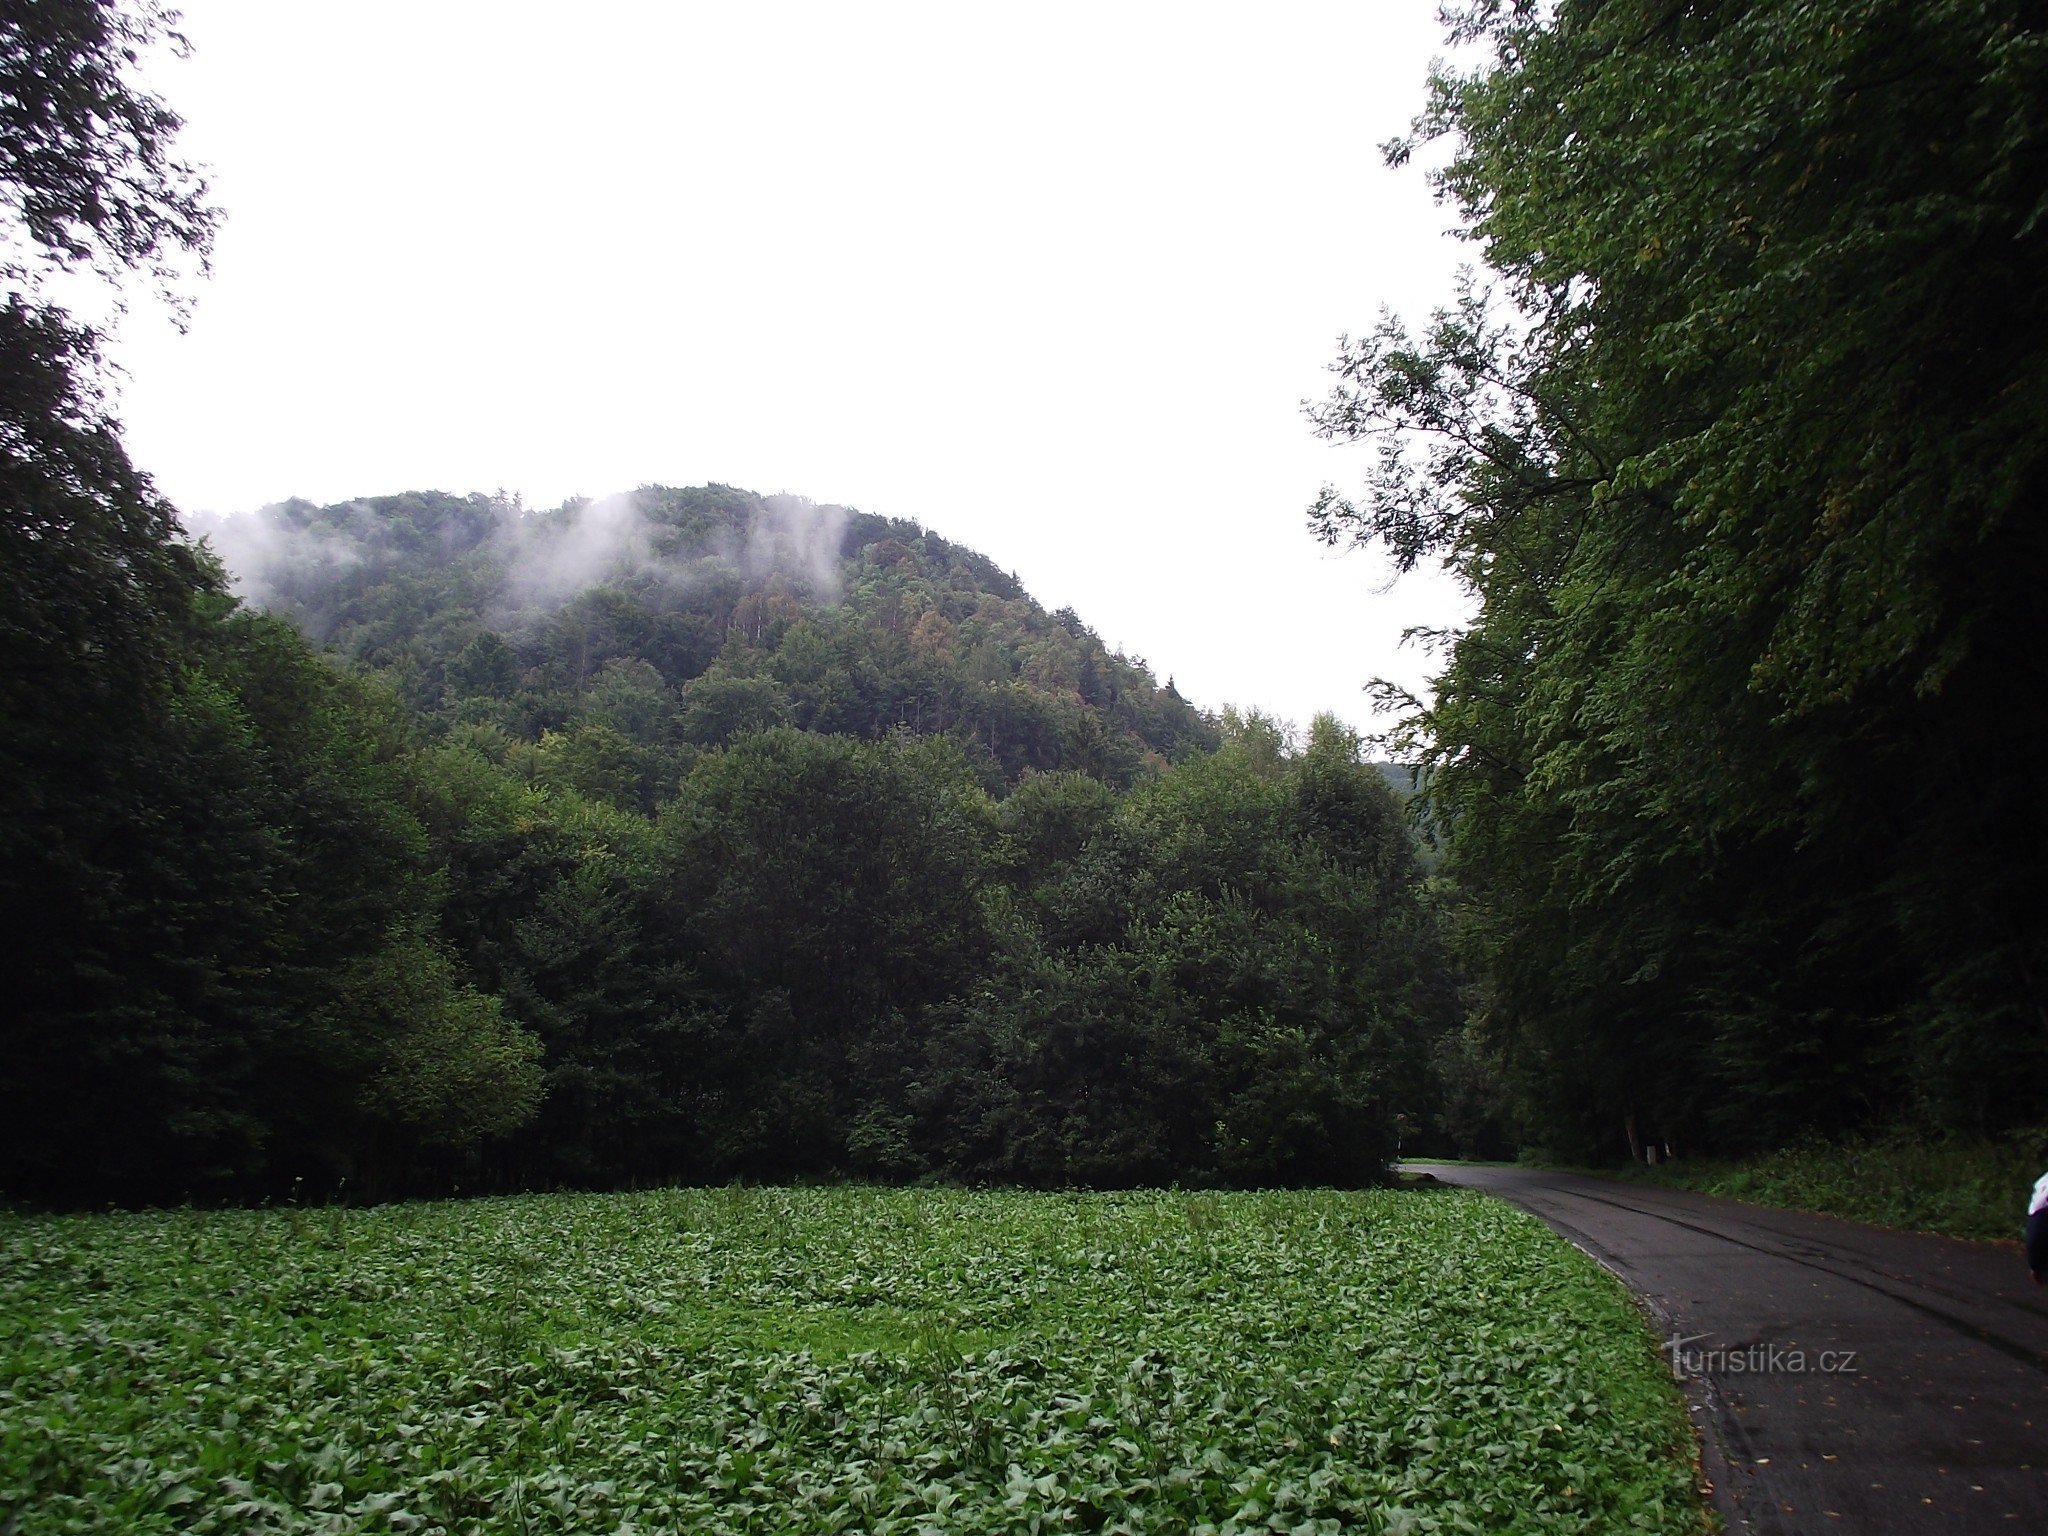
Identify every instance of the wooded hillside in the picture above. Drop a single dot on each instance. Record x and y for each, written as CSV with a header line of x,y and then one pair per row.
x,y
578,627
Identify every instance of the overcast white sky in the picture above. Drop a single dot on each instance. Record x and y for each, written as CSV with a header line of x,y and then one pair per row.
x,y
1051,279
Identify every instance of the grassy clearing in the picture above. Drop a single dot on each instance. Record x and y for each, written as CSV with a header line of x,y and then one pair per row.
x,y
1963,1188
831,1360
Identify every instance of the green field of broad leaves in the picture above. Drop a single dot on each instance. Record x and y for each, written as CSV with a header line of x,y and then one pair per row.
x,y
841,1359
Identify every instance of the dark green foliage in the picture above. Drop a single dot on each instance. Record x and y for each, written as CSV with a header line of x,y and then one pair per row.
x,y
1229,978
843,873
718,708
834,956
87,170
486,668
1050,819
237,987
830,955
827,890
95,594
1746,474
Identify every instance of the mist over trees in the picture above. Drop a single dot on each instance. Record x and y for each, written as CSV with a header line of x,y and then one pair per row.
x,y
617,637
1739,448
680,835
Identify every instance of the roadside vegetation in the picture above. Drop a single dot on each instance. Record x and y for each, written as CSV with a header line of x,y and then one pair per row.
x,y
1963,1187
847,1359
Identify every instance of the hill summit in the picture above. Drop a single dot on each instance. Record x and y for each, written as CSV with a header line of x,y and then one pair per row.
x,y
617,635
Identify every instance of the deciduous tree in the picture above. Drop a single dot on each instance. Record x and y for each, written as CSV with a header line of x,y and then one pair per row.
x,y
1739,453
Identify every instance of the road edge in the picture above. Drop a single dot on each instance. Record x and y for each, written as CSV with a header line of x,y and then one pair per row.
x,y
1705,1408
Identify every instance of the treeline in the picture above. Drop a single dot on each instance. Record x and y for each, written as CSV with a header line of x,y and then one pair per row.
x,y
1743,460
219,916
831,956
680,836
272,929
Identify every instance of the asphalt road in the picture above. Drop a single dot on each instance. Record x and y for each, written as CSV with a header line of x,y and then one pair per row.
x,y
1845,1378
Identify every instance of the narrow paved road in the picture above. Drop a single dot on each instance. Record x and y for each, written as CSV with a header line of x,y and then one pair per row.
x,y
1845,1378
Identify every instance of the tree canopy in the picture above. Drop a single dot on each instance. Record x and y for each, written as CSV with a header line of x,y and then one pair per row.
x,y
1738,449
89,175
620,635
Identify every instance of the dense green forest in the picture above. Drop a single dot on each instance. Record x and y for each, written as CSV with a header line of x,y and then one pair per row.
x,y
1739,447
848,860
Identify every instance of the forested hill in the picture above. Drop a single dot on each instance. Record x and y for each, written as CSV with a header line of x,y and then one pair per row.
x,y
272,931
615,638
685,835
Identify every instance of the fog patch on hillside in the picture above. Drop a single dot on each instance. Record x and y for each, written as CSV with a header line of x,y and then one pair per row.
x,y
267,553
543,560
552,557
794,536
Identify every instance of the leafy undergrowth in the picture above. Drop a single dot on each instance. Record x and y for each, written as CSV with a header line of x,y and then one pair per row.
x,y
1961,1187
747,1360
